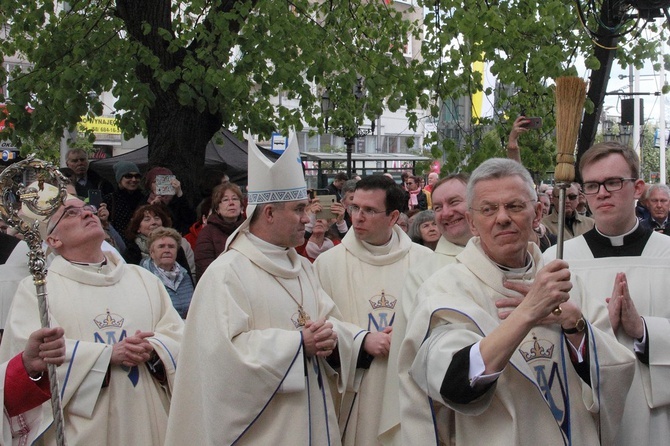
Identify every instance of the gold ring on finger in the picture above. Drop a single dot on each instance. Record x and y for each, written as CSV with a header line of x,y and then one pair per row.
x,y
557,311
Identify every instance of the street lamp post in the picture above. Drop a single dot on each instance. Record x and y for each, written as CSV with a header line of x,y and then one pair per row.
x,y
350,133
625,132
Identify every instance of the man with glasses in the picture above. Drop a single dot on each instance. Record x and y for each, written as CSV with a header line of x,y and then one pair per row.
x,y
627,263
122,337
365,275
575,224
491,358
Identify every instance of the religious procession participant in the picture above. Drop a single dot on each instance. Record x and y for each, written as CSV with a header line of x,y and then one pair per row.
x,y
497,350
450,206
627,261
122,341
365,275
24,383
260,330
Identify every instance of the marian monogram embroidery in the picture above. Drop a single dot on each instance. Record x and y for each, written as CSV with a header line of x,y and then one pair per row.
x,y
540,356
110,331
382,314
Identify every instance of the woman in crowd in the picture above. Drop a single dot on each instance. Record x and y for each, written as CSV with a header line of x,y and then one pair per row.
x,y
320,240
321,234
423,229
226,216
176,205
122,202
145,219
164,243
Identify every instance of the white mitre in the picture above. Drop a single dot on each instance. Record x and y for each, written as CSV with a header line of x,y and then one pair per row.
x,y
272,182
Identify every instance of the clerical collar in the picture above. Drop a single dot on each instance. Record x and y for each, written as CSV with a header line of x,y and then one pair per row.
x,y
95,266
517,273
618,240
630,244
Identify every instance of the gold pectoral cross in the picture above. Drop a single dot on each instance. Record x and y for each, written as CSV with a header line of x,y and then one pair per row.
x,y
303,317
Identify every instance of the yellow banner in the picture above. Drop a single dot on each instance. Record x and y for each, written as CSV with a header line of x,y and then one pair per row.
x,y
100,125
478,97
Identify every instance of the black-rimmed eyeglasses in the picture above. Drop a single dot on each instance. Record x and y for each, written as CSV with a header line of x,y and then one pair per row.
x,y
610,185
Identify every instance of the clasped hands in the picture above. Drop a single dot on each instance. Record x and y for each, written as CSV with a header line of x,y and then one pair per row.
x,y
319,338
133,350
622,309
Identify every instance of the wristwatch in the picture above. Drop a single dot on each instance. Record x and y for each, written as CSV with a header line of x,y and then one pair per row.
x,y
580,325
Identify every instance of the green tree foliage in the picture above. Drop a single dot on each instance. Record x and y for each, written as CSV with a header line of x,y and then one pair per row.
x,y
182,69
527,45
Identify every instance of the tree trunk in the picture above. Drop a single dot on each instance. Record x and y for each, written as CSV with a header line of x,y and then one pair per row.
x,y
178,138
178,134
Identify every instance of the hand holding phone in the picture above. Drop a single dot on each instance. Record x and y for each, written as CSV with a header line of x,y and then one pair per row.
x,y
326,201
94,197
533,123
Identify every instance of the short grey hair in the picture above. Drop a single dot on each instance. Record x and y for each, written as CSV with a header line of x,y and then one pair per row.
x,y
415,228
497,168
655,187
348,186
162,232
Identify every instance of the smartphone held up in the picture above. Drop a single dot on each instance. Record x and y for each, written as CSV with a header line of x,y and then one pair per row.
x,y
533,123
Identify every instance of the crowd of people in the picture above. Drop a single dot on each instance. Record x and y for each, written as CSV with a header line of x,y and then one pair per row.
x,y
425,312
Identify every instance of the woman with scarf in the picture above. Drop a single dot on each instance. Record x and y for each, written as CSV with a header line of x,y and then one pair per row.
x,y
145,219
417,199
164,244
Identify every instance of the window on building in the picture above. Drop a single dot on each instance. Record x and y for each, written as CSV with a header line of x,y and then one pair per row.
x,y
313,143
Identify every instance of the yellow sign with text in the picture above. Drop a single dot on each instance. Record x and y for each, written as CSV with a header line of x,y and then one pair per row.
x,y
100,125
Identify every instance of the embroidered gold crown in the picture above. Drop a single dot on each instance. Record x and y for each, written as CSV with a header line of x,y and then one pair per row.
x,y
537,351
108,320
383,302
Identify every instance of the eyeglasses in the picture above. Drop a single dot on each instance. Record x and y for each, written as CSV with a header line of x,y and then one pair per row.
x,y
368,213
130,176
227,200
488,210
71,212
610,185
